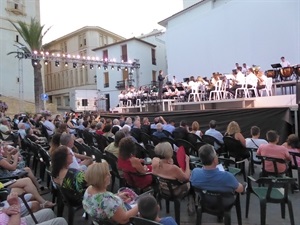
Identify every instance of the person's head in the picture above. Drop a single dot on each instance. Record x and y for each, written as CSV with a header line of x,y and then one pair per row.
x,y
128,121
21,126
172,122
93,125
126,148
282,59
55,142
97,175
255,131
195,126
107,128
208,155
159,127
164,150
118,137
67,140
63,127
116,122
99,126
148,207
29,131
115,129
244,65
60,158
233,127
146,121
137,123
183,123
212,124
293,141
272,136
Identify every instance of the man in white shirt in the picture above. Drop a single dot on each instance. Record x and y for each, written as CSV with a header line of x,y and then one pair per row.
x,y
49,125
284,63
251,79
255,141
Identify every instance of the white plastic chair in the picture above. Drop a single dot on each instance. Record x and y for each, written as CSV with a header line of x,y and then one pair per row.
x,y
195,94
254,89
268,88
243,88
218,93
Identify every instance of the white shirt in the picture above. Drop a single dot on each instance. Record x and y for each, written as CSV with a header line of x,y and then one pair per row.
x,y
240,78
285,63
50,127
251,79
254,143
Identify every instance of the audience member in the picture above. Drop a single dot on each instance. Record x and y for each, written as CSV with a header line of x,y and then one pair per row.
x,y
181,132
196,129
159,131
214,133
114,146
255,141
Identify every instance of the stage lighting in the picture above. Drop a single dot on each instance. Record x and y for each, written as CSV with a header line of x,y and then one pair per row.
x,y
57,63
74,65
91,66
126,68
119,68
112,67
105,67
46,62
82,66
66,64
99,67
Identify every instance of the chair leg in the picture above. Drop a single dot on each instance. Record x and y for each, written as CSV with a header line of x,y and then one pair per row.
x,y
282,206
199,216
238,209
227,218
290,207
70,215
177,211
247,203
263,209
167,206
112,183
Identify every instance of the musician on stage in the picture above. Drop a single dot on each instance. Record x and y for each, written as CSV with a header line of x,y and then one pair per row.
x,y
161,79
262,78
284,62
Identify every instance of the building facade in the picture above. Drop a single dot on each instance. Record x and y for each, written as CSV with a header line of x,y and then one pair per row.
x,y
16,75
148,51
63,77
213,35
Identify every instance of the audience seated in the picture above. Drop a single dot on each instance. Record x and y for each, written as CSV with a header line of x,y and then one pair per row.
x,y
102,204
214,133
255,141
12,216
275,151
159,131
114,146
181,132
63,174
149,209
196,129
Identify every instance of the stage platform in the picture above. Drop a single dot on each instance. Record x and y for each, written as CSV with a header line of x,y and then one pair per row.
x,y
167,105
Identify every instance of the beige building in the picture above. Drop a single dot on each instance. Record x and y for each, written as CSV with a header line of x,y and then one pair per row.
x,y
63,77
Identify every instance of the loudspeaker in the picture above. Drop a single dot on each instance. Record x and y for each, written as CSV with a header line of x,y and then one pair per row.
x,y
298,93
84,102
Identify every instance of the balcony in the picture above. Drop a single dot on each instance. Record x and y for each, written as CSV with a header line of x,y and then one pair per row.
x,y
120,84
106,85
154,83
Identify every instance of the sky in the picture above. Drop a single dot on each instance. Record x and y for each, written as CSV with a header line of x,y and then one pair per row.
x,y
126,18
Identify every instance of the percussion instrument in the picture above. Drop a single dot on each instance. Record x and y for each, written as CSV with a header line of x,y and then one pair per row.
x,y
297,70
271,73
286,72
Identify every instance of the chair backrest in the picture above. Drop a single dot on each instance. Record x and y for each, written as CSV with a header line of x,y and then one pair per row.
x,y
112,160
233,147
167,133
193,138
44,156
70,197
168,188
275,162
275,182
155,139
295,158
170,140
215,203
97,154
269,83
211,140
140,151
88,137
219,85
146,139
80,148
142,221
101,140
150,150
79,133
190,149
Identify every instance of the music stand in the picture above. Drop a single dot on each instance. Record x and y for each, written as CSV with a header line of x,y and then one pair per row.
x,y
276,65
180,88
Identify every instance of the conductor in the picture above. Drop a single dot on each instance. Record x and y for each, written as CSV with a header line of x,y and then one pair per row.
x,y
160,83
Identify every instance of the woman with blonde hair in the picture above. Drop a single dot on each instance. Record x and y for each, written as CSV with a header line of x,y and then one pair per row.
x,y
196,129
233,130
102,204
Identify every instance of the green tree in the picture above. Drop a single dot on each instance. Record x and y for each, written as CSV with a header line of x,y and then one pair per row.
x,y
33,36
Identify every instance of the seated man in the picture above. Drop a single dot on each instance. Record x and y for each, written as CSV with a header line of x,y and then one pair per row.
x,y
209,177
275,151
159,131
255,141
148,209
12,214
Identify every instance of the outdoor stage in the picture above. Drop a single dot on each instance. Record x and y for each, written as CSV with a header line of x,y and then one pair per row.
x,y
278,112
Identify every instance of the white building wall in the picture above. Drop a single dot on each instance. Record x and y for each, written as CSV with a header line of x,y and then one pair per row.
x,y
9,65
188,3
214,35
142,76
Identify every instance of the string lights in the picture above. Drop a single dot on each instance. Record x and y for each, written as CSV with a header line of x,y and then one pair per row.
x,y
76,60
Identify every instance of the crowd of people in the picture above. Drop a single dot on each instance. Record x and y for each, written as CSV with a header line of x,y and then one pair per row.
x,y
79,173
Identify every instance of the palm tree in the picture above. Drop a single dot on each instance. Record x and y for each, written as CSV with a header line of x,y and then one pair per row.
x,y
33,36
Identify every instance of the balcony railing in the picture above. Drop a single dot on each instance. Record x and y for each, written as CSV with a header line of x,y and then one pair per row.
x,y
106,85
120,84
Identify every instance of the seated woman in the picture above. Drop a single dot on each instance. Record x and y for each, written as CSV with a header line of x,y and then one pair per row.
x,y
234,131
293,145
66,177
102,204
196,129
128,163
163,166
55,143
12,215
14,165
114,146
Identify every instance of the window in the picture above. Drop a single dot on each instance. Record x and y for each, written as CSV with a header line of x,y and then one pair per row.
x,y
80,41
153,56
16,6
81,76
124,53
58,101
17,38
84,41
76,77
86,75
100,39
125,74
66,101
106,79
65,47
153,75
105,54
105,40
71,79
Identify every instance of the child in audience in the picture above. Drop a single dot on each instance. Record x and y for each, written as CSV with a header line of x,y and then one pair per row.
x,y
148,209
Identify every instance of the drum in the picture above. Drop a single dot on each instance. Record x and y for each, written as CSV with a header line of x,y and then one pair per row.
x,y
271,73
286,72
297,70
